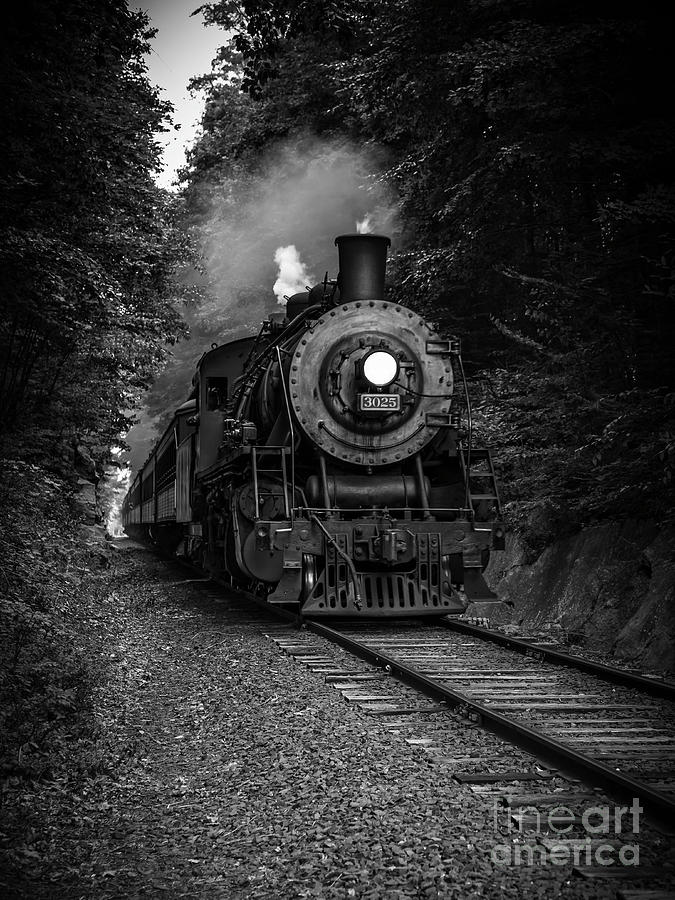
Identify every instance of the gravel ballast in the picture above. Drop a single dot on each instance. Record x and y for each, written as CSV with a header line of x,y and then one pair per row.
x,y
225,769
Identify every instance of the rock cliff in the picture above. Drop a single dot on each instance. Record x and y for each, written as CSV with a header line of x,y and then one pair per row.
x,y
610,587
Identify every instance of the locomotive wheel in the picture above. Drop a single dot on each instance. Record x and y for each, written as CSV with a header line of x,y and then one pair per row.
x,y
309,575
239,578
264,565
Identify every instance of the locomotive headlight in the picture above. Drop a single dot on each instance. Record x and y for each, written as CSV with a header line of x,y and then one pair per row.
x,y
380,368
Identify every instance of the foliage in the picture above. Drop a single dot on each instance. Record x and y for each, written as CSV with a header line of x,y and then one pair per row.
x,y
262,29
90,247
607,456
52,584
532,153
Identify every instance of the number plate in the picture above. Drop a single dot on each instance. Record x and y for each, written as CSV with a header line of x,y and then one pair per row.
x,y
379,402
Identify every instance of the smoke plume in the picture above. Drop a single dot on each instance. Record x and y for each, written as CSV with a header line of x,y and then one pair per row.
x,y
300,194
293,276
365,226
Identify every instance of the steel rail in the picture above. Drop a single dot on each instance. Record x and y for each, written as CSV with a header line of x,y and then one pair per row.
x,y
655,687
657,805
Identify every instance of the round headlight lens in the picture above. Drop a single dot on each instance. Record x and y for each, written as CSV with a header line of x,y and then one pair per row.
x,y
380,368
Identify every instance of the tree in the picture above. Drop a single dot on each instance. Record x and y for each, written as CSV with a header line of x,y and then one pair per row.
x,y
90,246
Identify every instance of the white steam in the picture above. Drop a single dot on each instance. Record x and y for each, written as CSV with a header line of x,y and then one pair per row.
x,y
303,192
292,276
365,225
116,483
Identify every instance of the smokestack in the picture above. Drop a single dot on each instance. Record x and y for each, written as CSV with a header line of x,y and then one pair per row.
x,y
363,263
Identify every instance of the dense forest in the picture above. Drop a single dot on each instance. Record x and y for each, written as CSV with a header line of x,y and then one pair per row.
x,y
90,245
90,295
520,153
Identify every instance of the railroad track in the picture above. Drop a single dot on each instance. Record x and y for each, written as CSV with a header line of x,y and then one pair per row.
x,y
552,652
566,744
542,737
610,727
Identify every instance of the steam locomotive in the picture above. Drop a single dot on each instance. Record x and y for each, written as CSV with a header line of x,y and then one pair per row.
x,y
327,464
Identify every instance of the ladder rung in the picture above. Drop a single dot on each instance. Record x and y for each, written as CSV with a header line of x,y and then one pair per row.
x,y
483,496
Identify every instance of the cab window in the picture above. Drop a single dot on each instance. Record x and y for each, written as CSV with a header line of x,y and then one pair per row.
x,y
216,393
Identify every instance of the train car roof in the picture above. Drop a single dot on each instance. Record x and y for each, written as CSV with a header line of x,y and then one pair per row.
x,y
190,404
218,348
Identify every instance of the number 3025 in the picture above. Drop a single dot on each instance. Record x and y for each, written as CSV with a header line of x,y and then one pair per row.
x,y
386,402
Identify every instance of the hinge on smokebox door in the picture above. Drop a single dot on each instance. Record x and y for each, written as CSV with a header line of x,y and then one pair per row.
x,y
439,346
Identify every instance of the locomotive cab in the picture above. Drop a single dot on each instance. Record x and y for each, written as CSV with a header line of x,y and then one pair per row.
x,y
216,373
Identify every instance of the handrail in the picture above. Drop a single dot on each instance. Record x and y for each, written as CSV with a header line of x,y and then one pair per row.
x,y
292,431
469,429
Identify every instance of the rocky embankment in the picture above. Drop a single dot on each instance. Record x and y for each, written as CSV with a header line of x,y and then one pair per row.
x,y
609,587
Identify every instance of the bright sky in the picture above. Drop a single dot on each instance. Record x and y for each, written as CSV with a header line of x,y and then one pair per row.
x,y
182,48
